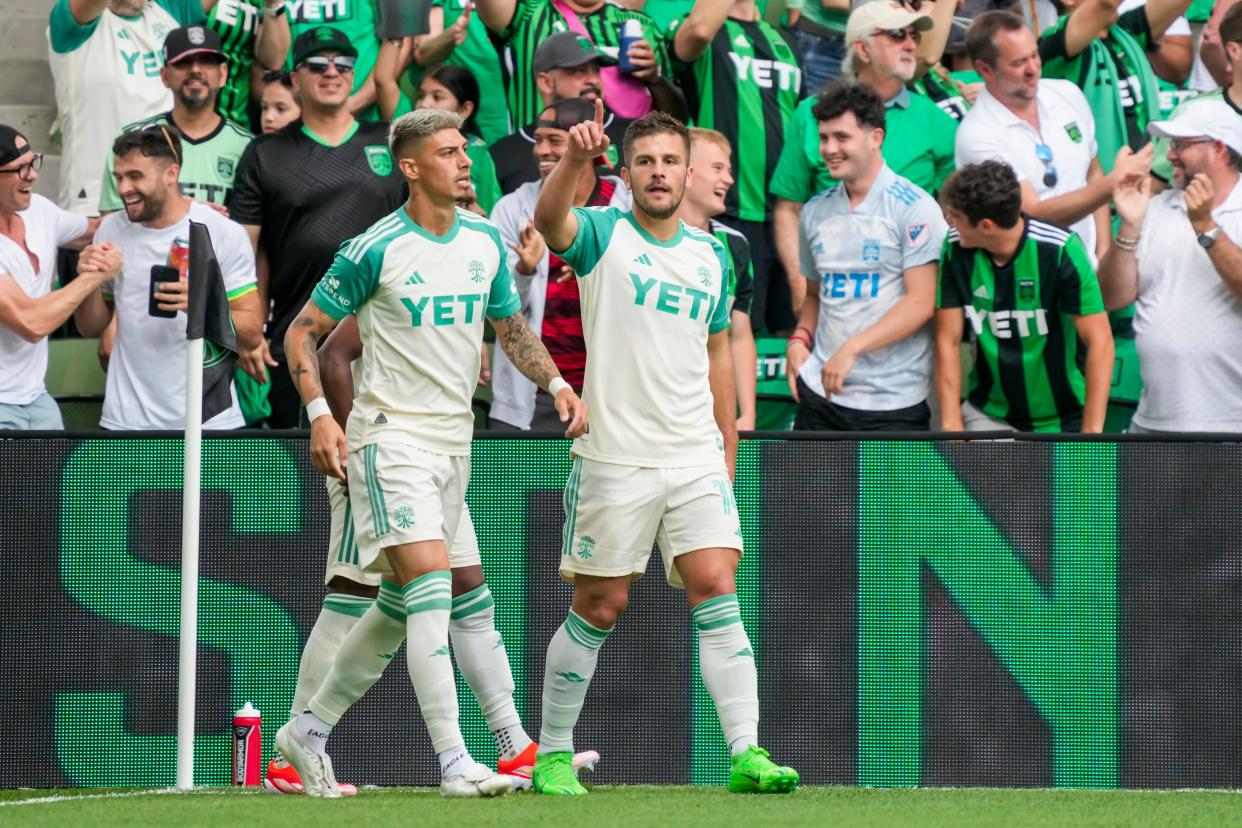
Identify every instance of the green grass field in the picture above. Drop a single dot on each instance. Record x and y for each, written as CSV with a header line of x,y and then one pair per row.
x,y
627,806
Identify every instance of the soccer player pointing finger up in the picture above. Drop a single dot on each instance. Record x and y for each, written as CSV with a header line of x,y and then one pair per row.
x,y
656,463
420,282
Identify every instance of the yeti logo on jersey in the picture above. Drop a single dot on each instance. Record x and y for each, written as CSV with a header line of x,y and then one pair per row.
x,y
449,309
838,286
871,251
403,516
667,297
476,270
379,159
760,71
586,547
705,276
318,11
1007,324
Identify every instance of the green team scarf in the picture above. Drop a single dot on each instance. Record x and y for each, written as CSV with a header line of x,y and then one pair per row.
x,y
1095,73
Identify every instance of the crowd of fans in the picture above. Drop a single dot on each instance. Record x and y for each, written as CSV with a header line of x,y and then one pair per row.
x,y
1054,184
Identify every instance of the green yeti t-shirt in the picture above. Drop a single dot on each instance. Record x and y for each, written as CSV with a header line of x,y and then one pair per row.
x,y
207,169
918,146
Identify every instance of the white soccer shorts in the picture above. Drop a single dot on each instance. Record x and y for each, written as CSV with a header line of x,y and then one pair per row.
x,y
614,513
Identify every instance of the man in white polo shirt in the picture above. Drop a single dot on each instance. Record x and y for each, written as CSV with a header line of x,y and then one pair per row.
x,y
1043,129
31,229
1178,255
146,375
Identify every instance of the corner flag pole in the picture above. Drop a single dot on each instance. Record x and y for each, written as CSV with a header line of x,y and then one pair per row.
x,y
190,505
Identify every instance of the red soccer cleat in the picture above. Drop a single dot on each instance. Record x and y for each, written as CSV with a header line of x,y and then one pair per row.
x,y
521,766
282,778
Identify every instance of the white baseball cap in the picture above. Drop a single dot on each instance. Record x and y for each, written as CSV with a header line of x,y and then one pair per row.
x,y
1209,119
876,15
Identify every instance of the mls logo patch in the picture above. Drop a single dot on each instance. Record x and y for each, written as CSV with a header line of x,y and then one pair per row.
x,y
916,233
224,167
378,159
871,251
1072,130
1026,289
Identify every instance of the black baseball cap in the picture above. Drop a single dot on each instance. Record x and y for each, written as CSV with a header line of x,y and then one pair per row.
x,y
565,113
321,39
566,50
9,149
191,40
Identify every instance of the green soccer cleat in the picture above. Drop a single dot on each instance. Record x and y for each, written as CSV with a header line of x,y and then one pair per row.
x,y
754,772
554,774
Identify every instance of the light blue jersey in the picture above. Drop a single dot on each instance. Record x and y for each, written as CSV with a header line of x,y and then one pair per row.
x,y
856,259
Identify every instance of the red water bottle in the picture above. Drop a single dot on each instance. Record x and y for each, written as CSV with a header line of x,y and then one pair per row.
x,y
247,747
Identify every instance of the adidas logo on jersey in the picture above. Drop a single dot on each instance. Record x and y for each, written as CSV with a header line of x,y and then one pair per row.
x,y
741,42
380,419
416,279
982,292
643,259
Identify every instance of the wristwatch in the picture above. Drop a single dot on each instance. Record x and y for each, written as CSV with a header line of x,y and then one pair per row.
x,y
1207,239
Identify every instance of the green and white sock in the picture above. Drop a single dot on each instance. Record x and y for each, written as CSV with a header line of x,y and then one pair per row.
x,y
481,657
572,655
428,601
727,664
339,615
362,656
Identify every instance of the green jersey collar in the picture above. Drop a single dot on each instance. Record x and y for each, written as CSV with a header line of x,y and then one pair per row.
x,y
415,227
647,237
353,128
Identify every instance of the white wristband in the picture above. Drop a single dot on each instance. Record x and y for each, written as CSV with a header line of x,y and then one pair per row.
x,y
317,408
557,385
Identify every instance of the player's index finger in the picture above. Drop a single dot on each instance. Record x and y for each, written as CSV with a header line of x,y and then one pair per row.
x,y
599,111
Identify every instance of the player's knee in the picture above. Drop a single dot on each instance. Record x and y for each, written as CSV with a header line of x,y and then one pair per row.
x,y
710,585
601,609
467,579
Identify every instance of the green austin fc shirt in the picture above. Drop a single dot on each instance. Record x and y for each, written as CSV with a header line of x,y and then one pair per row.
x,y
357,19
534,21
207,169
237,22
746,85
918,145
1116,77
1028,357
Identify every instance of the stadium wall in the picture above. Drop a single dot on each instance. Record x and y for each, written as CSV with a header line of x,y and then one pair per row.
x,y
923,613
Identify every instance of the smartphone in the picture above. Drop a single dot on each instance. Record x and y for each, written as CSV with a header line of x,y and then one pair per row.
x,y
161,273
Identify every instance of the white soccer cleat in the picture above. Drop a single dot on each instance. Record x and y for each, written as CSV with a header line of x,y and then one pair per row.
x,y
479,781
314,769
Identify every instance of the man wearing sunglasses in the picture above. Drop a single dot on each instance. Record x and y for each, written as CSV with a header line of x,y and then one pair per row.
x,y
31,230
304,189
1043,129
1177,256
883,39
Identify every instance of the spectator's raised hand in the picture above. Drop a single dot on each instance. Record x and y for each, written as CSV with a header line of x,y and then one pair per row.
x,y
643,59
1199,197
1131,165
1130,199
459,25
530,249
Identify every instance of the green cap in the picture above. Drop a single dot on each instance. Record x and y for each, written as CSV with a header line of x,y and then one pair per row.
x,y
321,39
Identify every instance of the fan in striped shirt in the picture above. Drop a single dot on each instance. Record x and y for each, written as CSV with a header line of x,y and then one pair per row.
x,y
1043,345
518,27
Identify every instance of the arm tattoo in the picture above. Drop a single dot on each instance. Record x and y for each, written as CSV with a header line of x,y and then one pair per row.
x,y
306,373
526,352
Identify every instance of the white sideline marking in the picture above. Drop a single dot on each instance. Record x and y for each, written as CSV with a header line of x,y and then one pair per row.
x,y
45,800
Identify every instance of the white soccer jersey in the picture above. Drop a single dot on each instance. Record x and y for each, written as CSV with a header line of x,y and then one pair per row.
x,y
23,365
647,309
420,300
146,374
857,258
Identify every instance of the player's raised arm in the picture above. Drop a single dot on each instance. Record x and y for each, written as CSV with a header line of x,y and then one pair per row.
x,y
554,218
302,354
531,358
